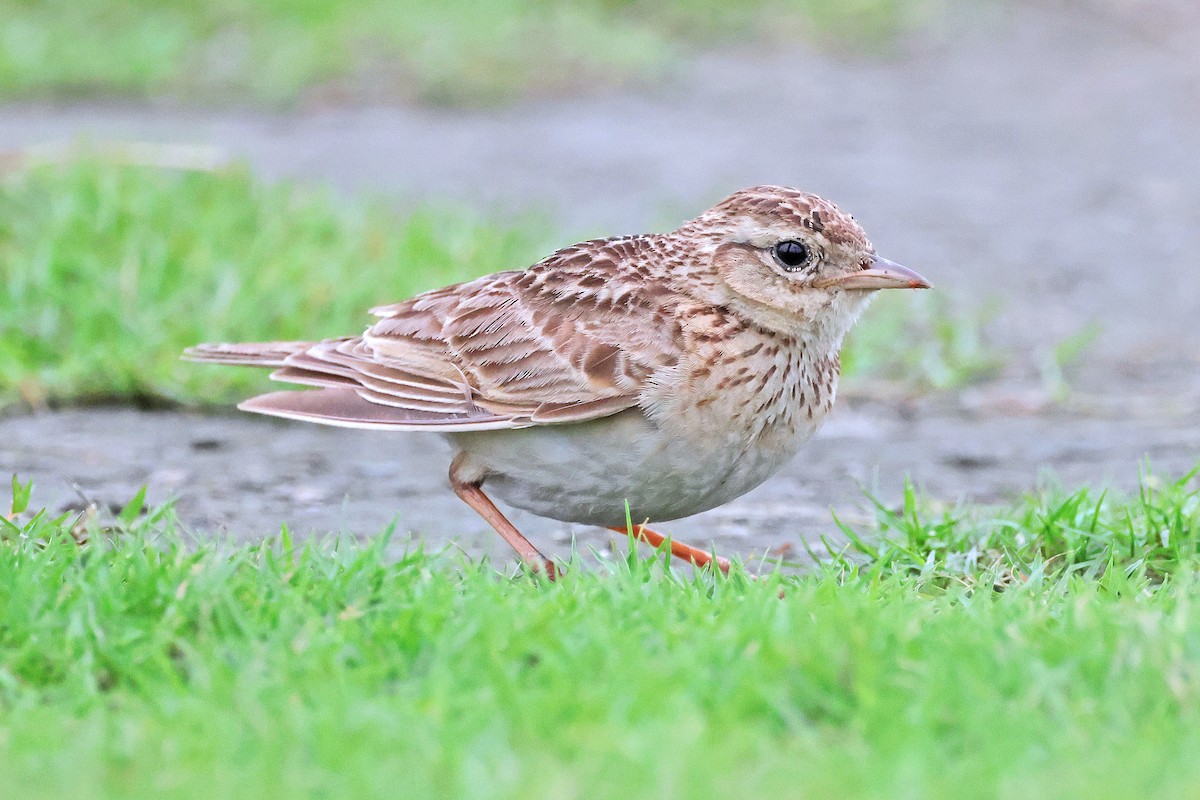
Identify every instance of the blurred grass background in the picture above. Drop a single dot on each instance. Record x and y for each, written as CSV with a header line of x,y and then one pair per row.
x,y
111,270
279,52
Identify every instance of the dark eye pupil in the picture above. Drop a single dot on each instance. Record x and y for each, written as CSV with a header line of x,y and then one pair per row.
x,y
791,254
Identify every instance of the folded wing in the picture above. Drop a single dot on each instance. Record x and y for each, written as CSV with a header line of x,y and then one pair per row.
x,y
574,337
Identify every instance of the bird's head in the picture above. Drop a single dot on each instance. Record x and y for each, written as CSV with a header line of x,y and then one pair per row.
x,y
792,261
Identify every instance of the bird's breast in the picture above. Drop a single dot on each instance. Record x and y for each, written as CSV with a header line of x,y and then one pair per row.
x,y
753,393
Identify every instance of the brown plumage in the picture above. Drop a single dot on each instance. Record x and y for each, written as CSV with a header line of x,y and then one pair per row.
x,y
671,371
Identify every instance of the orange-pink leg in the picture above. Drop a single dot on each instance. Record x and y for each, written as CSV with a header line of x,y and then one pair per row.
x,y
678,549
473,496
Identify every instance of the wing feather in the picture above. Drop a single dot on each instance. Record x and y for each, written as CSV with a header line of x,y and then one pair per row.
x,y
575,337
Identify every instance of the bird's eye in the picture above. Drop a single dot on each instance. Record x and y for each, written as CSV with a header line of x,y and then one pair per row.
x,y
791,254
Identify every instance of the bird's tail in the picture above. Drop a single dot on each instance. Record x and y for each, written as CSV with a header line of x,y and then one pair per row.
x,y
248,354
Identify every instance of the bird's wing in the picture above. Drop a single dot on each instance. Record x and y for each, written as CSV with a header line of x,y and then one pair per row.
x,y
572,338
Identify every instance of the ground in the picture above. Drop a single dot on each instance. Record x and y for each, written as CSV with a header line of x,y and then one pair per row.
x,y
1041,161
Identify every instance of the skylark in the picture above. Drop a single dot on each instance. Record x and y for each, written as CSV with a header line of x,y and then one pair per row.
x,y
670,372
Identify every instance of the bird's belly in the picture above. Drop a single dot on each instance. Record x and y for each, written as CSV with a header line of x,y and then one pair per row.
x,y
588,472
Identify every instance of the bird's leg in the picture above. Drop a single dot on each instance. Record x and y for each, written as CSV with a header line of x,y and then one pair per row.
x,y
678,549
473,495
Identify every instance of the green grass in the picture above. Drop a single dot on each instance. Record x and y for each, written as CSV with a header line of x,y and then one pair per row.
x,y
276,51
1061,662
110,271
1050,535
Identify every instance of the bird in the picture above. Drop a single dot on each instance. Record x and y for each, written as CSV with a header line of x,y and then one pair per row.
x,y
644,377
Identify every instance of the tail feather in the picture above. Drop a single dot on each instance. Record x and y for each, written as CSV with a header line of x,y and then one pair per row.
x,y
344,407
249,354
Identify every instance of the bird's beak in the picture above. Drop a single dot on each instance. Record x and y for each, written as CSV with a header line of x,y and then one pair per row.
x,y
882,274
